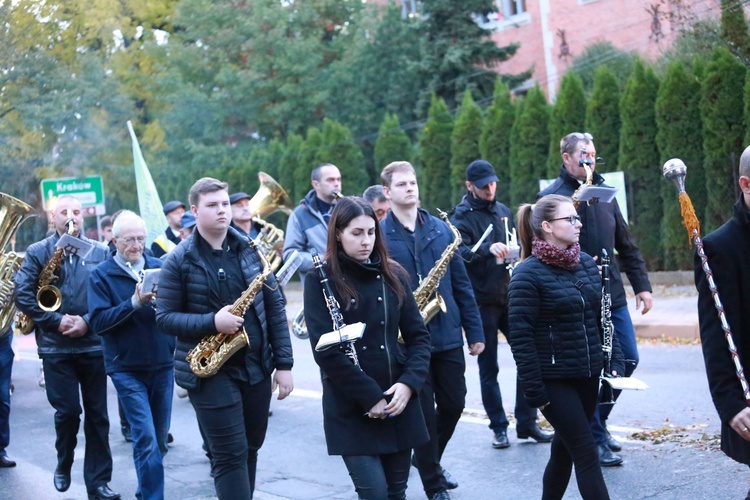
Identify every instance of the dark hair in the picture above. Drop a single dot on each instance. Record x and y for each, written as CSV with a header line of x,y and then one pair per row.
x,y
204,186
397,166
315,174
106,221
347,209
569,143
374,193
530,218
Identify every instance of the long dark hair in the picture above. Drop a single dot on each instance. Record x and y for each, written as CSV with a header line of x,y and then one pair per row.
x,y
346,210
530,218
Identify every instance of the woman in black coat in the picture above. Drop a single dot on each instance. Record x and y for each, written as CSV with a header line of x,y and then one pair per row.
x,y
372,417
554,305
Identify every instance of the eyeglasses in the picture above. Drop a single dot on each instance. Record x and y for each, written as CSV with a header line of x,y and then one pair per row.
x,y
130,241
573,219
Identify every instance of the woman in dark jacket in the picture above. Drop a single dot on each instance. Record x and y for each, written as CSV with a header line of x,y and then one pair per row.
x,y
372,416
555,334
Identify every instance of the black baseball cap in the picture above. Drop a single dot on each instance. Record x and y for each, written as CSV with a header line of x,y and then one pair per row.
x,y
172,205
235,197
480,173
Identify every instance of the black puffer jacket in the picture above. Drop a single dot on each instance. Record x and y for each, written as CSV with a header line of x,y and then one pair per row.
x,y
182,309
605,227
488,278
72,282
555,327
349,392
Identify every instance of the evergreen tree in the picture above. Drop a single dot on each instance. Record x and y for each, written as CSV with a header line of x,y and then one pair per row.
x,y
723,132
392,145
464,145
603,118
601,54
679,135
339,148
528,148
435,156
306,162
454,48
494,143
638,153
567,115
288,165
734,29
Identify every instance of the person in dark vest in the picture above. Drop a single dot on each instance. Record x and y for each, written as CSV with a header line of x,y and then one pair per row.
x,y
727,251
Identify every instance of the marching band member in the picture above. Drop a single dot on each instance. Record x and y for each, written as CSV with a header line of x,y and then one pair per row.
x,y
377,200
371,417
71,353
173,210
554,304
139,358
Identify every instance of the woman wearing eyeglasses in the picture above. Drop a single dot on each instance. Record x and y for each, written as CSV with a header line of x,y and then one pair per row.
x,y
554,303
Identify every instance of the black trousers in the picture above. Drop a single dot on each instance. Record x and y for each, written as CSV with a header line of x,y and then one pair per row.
x,y
572,404
377,477
443,397
234,417
64,375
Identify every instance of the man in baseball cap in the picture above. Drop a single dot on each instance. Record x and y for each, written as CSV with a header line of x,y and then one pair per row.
x,y
173,210
242,218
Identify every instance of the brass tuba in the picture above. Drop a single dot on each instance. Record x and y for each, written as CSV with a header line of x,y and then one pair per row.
x,y
269,198
12,214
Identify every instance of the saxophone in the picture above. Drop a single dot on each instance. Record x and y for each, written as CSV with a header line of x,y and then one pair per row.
x,y
213,351
586,164
48,296
428,305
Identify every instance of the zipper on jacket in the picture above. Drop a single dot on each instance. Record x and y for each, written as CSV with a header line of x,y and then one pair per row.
x,y
552,344
385,329
585,333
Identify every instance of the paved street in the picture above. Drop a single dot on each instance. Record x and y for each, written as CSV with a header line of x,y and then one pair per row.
x,y
678,459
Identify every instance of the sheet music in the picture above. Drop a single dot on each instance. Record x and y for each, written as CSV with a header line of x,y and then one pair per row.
x,y
74,246
631,383
599,193
150,282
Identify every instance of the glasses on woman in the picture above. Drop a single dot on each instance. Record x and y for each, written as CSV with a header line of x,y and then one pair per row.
x,y
573,219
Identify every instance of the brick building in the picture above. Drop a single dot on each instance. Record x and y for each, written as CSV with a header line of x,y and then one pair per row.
x,y
552,32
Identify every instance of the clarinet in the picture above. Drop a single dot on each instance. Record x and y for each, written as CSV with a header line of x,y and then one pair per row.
x,y
340,329
608,329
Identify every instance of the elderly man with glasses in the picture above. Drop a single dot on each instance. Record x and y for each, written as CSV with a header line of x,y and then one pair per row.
x,y
604,227
138,357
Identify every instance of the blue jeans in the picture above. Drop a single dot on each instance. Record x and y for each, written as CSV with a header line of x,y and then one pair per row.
x,y
495,318
146,399
626,337
6,367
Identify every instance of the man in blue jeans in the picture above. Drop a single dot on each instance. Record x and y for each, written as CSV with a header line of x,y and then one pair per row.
x,y
137,355
6,366
604,227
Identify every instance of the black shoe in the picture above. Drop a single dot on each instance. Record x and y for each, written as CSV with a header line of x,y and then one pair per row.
x,y
500,440
612,443
607,458
170,438
450,482
126,433
62,480
441,495
536,434
6,462
103,493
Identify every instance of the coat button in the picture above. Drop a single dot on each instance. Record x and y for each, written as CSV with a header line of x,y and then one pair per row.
x,y
364,348
382,347
382,323
377,277
354,301
380,299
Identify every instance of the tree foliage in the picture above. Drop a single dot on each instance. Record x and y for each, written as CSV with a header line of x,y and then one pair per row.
x,y
464,144
603,118
638,152
392,145
435,156
338,147
601,54
528,148
567,115
494,143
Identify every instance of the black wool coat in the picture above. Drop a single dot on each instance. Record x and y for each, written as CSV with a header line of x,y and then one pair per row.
x,y
727,250
555,325
348,392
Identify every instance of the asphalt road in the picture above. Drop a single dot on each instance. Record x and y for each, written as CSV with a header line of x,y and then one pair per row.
x,y
679,458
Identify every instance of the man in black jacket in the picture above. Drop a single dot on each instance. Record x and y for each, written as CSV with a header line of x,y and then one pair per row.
x,y
71,353
173,210
489,278
727,250
199,282
138,357
604,227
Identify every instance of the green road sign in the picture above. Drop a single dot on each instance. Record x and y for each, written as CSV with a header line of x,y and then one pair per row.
x,y
88,190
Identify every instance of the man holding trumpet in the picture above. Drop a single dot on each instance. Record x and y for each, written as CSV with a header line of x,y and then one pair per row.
x,y
489,251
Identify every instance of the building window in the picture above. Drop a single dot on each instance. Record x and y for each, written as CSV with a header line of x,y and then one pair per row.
x,y
509,8
509,14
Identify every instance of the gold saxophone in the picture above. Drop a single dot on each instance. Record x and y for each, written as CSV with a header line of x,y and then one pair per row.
x,y
12,214
589,179
213,351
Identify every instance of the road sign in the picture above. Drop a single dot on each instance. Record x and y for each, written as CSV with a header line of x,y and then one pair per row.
x,y
88,190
